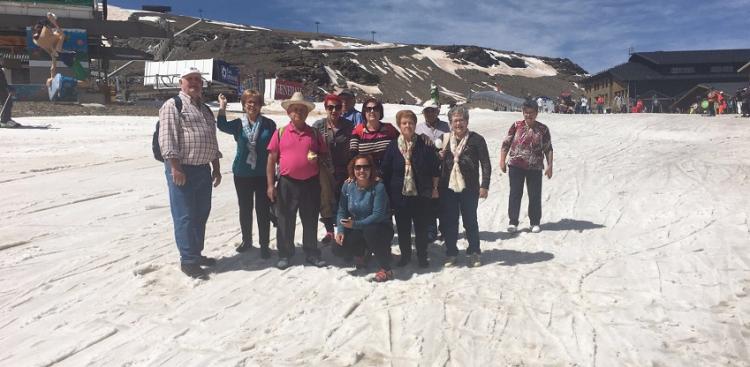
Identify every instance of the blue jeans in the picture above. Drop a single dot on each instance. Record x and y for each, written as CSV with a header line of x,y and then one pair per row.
x,y
190,204
452,204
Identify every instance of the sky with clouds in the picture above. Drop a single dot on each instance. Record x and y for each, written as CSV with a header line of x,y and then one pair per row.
x,y
594,34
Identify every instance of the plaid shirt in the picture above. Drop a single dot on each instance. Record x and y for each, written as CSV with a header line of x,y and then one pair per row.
x,y
190,138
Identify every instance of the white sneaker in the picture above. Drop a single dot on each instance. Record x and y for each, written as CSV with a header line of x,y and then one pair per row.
x,y
9,124
512,229
536,229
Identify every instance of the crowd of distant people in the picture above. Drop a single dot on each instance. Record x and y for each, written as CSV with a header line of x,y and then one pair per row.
x,y
714,102
351,170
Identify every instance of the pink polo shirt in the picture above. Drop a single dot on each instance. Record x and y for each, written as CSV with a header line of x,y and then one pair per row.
x,y
292,150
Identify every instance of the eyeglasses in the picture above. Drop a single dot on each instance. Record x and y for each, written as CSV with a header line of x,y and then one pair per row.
x,y
332,107
372,109
362,167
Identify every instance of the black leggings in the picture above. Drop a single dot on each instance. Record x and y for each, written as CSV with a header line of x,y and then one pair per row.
x,y
375,237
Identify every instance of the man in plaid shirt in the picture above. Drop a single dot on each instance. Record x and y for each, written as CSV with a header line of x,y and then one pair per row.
x,y
188,144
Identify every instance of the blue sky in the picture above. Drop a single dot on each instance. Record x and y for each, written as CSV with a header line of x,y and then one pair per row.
x,y
594,34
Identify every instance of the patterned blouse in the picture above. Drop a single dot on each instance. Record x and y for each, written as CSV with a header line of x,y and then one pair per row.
x,y
526,146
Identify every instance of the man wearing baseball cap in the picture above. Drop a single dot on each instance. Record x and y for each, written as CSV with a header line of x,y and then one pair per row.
x,y
350,113
187,138
434,128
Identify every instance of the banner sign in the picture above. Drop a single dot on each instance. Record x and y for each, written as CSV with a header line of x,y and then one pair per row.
x,y
285,89
226,73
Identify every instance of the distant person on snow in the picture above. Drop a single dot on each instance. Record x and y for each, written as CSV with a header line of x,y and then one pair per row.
x,y
527,144
252,132
6,101
188,144
350,113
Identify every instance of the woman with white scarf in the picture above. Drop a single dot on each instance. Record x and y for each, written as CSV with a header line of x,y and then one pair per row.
x,y
252,132
463,153
411,173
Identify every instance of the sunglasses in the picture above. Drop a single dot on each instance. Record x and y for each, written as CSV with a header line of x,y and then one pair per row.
x,y
362,167
372,109
332,107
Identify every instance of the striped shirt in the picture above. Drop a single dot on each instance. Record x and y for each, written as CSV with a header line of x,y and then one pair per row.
x,y
373,143
189,137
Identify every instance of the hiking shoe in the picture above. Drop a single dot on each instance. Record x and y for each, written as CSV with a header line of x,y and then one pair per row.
x,y
423,262
451,261
536,229
359,262
383,275
265,252
512,228
316,261
283,263
244,246
194,271
403,261
328,239
9,124
206,261
475,260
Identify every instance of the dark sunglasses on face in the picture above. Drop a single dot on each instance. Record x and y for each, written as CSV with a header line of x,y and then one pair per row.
x,y
361,167
332,107
371,109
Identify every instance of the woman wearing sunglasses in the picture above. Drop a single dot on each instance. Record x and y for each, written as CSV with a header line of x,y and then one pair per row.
x,y
364,217
373,136
411,175
336,132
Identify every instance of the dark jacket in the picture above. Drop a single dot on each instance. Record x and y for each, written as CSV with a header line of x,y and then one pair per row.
x,y
424,164
475,155
338,145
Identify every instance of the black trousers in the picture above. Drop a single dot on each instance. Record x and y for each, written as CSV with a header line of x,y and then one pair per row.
x,y
417,210
375,237
293,195
246,188
5,117
533,179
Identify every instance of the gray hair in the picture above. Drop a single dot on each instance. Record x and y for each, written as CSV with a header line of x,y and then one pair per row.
x,y
458,110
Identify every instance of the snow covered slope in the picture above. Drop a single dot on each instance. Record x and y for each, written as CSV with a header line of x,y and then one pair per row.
x,y
642,260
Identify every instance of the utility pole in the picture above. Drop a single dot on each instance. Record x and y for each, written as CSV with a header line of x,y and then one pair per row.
x,y
200,13
316,27
373,35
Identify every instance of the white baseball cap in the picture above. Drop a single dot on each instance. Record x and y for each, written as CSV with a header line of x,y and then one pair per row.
x,y
190,70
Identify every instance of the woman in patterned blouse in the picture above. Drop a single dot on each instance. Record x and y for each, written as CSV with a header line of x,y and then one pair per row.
x,y
527,144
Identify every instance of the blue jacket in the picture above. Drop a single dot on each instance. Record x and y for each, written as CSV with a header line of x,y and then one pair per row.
x,y
364,207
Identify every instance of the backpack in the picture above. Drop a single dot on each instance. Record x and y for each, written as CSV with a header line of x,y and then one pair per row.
x,y
155,148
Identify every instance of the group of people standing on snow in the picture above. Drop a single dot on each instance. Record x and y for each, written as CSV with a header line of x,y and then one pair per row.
x,y
350,170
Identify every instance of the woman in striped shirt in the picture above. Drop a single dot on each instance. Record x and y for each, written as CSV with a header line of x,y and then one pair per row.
x,y
373,136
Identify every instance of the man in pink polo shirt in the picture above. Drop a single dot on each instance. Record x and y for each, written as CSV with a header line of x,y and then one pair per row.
x,y
296,152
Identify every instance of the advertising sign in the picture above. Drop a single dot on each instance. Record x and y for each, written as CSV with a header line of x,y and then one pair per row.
x,y
285,89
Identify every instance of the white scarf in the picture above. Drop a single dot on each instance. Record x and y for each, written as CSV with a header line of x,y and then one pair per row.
x,y
251,132
409,188
456,181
